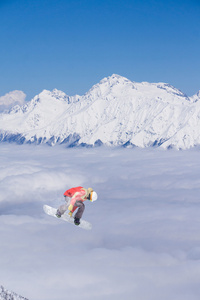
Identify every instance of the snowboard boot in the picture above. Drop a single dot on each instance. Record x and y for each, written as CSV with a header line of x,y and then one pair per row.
x,y
76,221
58,214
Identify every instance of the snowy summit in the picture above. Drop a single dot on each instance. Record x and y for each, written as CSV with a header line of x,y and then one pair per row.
x,y
114,112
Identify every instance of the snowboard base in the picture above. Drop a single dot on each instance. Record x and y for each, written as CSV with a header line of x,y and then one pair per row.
x,y
51,211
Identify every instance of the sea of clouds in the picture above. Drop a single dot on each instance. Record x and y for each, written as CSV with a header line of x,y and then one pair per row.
x,y
145,241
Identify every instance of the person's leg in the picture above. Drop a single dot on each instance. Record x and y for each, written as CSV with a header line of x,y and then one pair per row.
x,y
63,208
81,208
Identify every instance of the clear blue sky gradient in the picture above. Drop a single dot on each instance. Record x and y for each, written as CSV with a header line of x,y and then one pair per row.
x,y
71,45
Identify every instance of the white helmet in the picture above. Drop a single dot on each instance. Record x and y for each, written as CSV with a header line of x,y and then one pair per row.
x,y
93,196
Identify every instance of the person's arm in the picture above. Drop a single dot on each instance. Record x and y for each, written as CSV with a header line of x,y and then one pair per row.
x,y
76,197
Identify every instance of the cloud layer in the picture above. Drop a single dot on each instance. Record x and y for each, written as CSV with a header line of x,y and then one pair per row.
x,y
145,239
12,98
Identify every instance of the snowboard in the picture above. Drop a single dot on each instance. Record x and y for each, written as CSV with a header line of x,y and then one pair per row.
x,y
51,211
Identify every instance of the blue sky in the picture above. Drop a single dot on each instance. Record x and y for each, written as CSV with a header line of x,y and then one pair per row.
x,y
71,45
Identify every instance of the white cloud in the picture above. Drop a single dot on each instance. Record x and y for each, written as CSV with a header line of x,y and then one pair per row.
x,y
12,98
145,238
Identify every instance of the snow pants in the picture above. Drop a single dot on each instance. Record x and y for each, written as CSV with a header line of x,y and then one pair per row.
x,y
78,204
81,208
64,207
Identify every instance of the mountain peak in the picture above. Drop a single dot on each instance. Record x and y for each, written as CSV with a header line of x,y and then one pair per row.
x,y
195,97
114,79
171,89
54,93
108,85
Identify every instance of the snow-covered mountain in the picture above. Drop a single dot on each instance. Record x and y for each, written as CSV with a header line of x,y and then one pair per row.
x,y
6,295
116,111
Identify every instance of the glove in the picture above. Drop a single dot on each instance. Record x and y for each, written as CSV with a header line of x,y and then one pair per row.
x,y
70,214
70,207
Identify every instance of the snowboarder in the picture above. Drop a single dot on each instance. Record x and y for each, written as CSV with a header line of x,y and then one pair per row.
x,y
74,198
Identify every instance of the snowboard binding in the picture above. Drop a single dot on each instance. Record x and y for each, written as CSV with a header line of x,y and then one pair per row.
x,y
76,221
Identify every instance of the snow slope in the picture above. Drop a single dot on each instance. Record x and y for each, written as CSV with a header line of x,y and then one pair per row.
x,y
6,295
116,111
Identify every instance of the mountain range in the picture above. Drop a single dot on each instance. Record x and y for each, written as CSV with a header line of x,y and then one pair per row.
x,y
114,112
6,295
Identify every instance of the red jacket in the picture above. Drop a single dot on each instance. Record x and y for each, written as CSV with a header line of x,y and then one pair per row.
x,y
76,194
